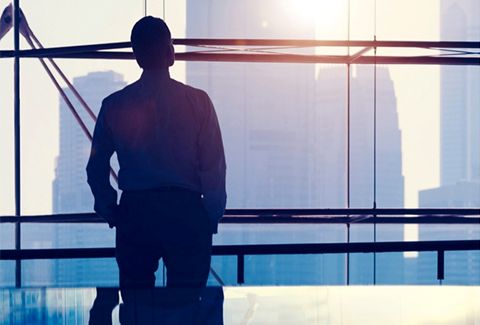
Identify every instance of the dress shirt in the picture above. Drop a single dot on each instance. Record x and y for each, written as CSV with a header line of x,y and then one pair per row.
x,y
165,134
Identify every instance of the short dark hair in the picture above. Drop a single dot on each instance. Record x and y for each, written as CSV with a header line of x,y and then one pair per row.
x,y
151,40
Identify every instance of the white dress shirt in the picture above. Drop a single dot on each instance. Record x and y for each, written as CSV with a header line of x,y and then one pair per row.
x,y
165,133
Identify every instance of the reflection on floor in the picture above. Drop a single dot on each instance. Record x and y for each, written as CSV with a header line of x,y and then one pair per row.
x,y
244,305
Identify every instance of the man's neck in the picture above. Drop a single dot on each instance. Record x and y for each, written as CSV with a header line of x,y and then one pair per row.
x,y
161,73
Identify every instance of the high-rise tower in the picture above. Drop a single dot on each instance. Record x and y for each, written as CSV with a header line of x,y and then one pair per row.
x,y
331,159
71,193
262,108
459,147
460,98
284,134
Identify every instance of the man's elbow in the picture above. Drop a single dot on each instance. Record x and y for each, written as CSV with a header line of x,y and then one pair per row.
x,y
92,172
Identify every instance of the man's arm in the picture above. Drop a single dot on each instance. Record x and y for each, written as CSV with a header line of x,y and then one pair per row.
x,y
212,167
98,170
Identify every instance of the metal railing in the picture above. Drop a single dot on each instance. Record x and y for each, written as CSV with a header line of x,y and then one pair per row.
x,y
285,216
240,251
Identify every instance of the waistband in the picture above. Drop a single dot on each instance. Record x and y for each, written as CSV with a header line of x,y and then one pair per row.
x,y
165,189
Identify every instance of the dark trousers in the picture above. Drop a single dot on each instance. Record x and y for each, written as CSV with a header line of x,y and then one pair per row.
x,y
171,224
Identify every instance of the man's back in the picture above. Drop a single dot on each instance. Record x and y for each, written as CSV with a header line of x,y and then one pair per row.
x,y
165,134
155,124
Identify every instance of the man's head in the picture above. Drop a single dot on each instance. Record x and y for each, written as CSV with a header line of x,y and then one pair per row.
x,y
152,43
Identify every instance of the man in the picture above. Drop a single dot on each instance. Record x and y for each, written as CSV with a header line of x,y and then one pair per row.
x,y
172,169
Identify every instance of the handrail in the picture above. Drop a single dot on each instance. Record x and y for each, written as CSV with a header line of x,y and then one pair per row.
x,y
343,216
270,249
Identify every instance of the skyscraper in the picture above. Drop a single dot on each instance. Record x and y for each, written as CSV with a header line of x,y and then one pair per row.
x,y
330,159
70,190
459,146
459,115
263,108
330,124
460,99
263,111
284,134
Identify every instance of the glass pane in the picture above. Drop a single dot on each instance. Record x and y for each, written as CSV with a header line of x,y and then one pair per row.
x,y
7,203
376,169
362,20
81,272
279,133
7,274
68,272
54,148
283,269
249,234
7,235
375,140
384,268
224,271
451,20
284,19
449,232
327,269
55,151
462,268
83,22
67,236
458,184
38,273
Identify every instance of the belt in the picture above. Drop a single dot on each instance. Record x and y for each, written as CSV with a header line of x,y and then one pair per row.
x,y
165,189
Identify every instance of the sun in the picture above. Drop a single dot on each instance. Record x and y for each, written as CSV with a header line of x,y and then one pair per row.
x,y
329,16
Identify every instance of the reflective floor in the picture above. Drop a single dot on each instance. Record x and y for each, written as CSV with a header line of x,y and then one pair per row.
x,y
244,305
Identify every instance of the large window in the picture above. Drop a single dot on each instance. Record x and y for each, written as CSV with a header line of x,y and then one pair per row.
x,y
296,135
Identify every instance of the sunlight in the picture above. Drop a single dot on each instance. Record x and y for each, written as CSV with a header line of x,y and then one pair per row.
x,y
329,16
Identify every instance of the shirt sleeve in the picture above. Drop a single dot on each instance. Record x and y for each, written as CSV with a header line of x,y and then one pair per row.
x,y
212,166
98,170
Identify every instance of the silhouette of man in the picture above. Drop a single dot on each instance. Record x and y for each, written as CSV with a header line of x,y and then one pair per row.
x,y
172,169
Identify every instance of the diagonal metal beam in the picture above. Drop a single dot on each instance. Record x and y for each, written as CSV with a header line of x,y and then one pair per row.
x,y
355,56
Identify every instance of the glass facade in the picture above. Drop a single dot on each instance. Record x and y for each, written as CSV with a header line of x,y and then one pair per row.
x,y
296,135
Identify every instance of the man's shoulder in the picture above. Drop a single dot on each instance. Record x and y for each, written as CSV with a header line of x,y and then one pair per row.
x,y
119,95
190,90
198,98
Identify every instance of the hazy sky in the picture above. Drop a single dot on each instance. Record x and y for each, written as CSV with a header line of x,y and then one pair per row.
x,y
60,22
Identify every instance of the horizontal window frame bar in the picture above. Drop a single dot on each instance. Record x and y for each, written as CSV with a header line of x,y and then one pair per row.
x,y
332,216
198,42
264,249
97,51
265,58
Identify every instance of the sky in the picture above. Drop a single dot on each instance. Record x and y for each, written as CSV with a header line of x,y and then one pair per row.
x,y
60,22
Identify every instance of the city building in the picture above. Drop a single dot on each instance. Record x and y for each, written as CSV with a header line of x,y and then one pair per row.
x,y
331,163
285,140
459,146
263,109
71,193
